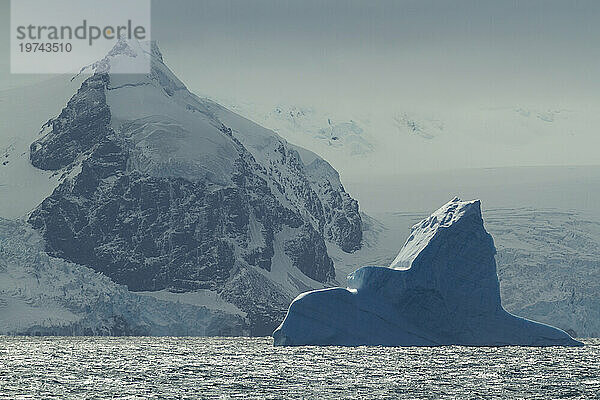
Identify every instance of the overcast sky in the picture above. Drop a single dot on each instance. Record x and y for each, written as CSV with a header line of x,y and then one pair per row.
x,y
454,58
383,50
438,51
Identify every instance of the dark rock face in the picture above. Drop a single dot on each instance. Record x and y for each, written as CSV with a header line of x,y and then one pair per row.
x,y
81,124
344,225
151,232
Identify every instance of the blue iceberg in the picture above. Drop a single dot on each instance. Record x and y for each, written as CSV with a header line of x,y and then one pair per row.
x,y
442,289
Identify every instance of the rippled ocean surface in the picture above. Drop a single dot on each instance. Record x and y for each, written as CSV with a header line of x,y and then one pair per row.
x,y
191,368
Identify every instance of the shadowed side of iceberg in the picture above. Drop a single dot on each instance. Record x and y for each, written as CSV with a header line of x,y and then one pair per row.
x,y
419,317
343,317
442,289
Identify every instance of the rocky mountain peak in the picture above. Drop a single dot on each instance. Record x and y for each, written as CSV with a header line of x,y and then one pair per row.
x,y
164,190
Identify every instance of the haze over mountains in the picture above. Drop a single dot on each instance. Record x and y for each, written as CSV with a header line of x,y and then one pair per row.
x,y
508,156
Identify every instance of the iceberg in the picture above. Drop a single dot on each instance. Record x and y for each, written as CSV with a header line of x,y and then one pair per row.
x,y
441,289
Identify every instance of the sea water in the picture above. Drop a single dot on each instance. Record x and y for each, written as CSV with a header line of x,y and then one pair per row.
x,y
222,368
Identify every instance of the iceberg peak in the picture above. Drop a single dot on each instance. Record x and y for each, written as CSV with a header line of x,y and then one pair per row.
x,y
442,289
450,215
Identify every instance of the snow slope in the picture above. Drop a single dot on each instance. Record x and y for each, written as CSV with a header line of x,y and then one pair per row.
x,y
401,137
441,289
326,133
23,111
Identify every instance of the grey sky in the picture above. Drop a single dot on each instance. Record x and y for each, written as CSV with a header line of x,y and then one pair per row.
x,y
379,51
430,50
454,58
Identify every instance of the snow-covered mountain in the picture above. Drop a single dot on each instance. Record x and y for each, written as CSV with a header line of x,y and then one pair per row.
x,y
558,285
440,289
408,137
321,131
161,190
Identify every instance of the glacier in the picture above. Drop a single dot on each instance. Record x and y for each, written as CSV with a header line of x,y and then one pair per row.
x,y
44,295
441,289
354,137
